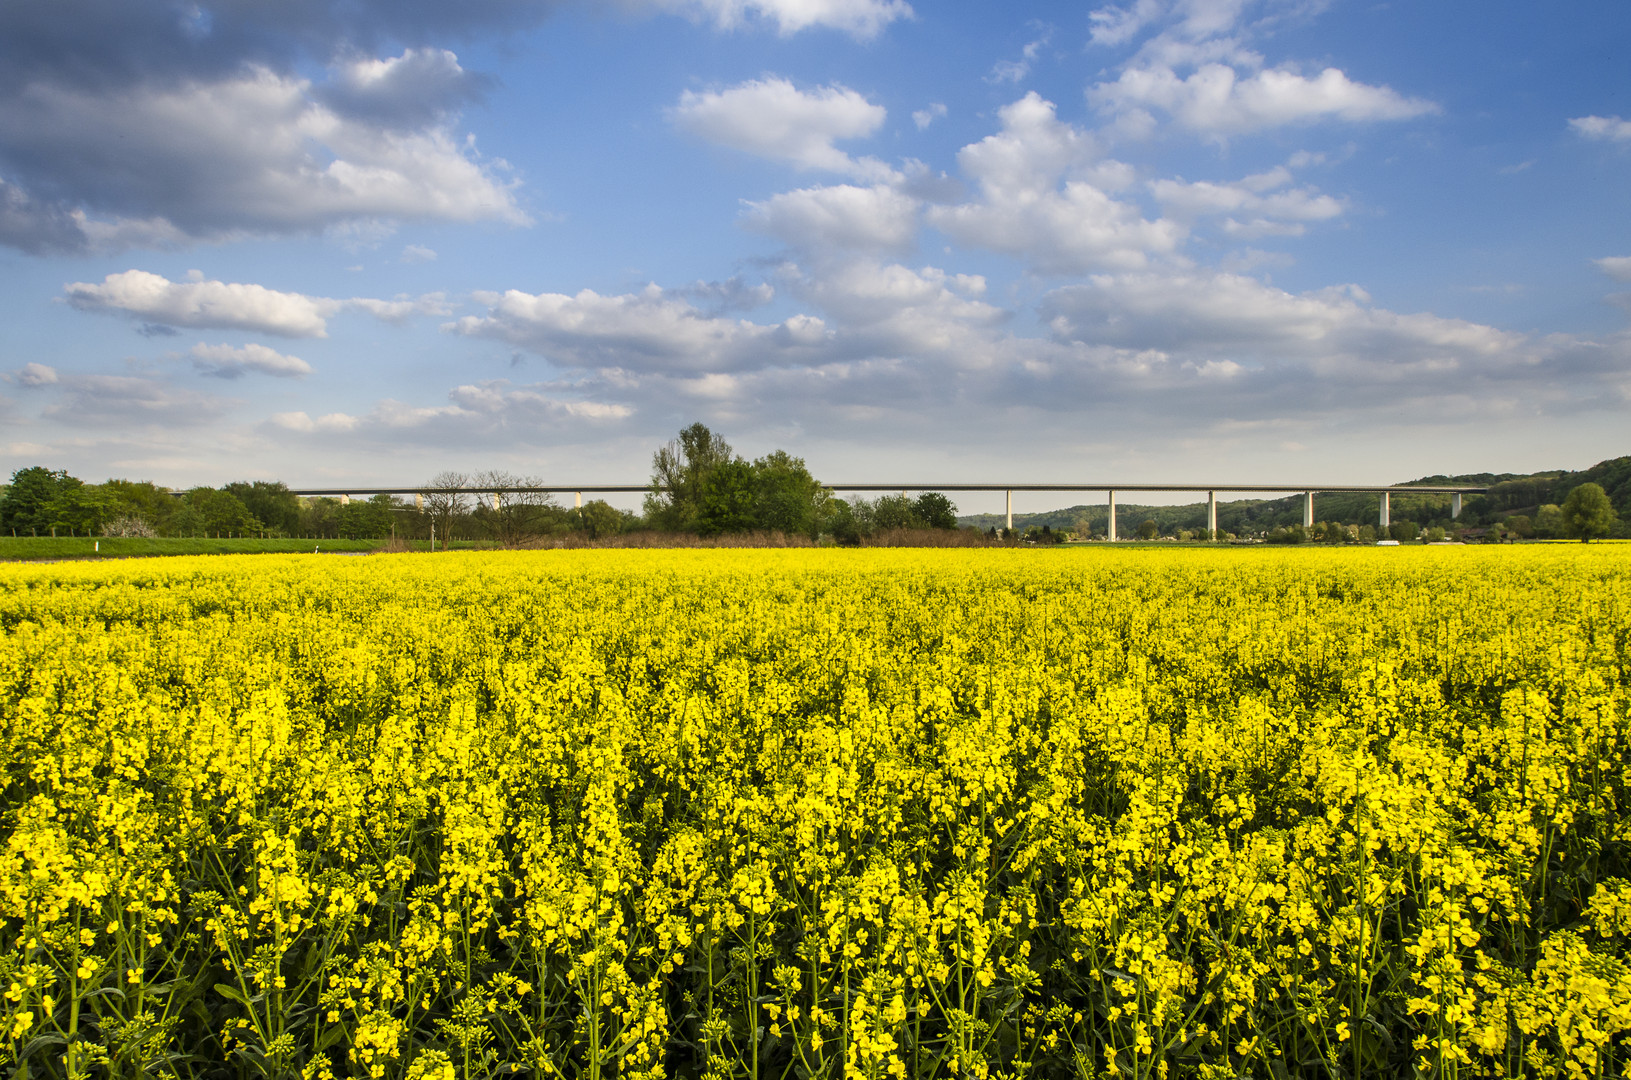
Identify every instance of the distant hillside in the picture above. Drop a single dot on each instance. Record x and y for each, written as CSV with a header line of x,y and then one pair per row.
x,y
1510,494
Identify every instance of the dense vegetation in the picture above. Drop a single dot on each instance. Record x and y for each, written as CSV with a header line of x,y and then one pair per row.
x,y
1318,813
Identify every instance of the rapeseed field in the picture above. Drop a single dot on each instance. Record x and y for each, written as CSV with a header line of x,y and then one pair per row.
x,y
766,814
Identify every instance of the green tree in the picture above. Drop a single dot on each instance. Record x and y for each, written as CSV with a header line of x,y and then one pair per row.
x,y
724,499
599,518
1407,530
1149,530
677,473
271,502
786,497
26,509
205,511
935,510
1588,513
141,501
895,512
368,519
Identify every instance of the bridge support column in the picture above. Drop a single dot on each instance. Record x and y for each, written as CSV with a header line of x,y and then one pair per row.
x,y
418,501
345,500
577,500
1308,509
1455,506
495,502
1384,522
1211,515
1010,526
1111,531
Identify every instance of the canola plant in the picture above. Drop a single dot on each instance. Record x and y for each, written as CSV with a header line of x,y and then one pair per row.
x,y
778,814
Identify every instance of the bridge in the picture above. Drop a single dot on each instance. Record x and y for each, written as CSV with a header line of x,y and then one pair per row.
x,y
1307,491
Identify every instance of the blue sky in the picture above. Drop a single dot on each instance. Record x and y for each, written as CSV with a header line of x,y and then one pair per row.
x,y
1198,240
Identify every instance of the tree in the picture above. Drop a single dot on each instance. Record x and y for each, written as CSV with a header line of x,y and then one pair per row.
x,y
369,519
935,510
1588,513
894,512
444,505
786,497
143,506
724,499
1149,530
600,518
208,512
512,517
272,503
677,472
26,508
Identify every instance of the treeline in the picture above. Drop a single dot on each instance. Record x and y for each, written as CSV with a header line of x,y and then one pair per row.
x,y
699,486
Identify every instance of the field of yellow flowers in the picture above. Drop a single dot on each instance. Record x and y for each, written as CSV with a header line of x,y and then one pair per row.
x,y
766,814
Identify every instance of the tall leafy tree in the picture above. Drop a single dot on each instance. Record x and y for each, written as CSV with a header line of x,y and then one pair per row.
x,y
677,473
271,502
1588,513
725,499
27,506
786,497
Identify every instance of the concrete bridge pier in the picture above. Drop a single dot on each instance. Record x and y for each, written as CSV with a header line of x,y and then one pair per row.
x,y
1384,522
1112,529
1308,509
418,501
1010,526
1455,506
345,500
577,501
1211,515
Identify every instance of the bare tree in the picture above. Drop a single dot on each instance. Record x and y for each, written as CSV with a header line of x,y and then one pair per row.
x,y
445,505
512,517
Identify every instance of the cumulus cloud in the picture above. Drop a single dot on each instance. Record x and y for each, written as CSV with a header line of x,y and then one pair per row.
x,y
416,253
35,375
1217,100
223,305
1232,316
1045,197
843,216
772,118
650,330
1617,267
863,19
256,152
419,87
928,115
1604,128
227,362
1258,205
1013,71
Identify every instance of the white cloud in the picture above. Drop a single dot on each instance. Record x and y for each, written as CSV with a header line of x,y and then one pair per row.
x,y
1012,71
647,331
226,362
772,118
1215,100
301,422
1227,315
877,218
1259,205
131,399
1026,211
416,253
256,152
223,305
216,305
1617,267
862,19
926,116
36,375
1607,128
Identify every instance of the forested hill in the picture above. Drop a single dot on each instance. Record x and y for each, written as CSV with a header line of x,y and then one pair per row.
x,y
1510,494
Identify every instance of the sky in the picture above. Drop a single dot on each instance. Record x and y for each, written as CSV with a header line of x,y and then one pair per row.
x,y
338,242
